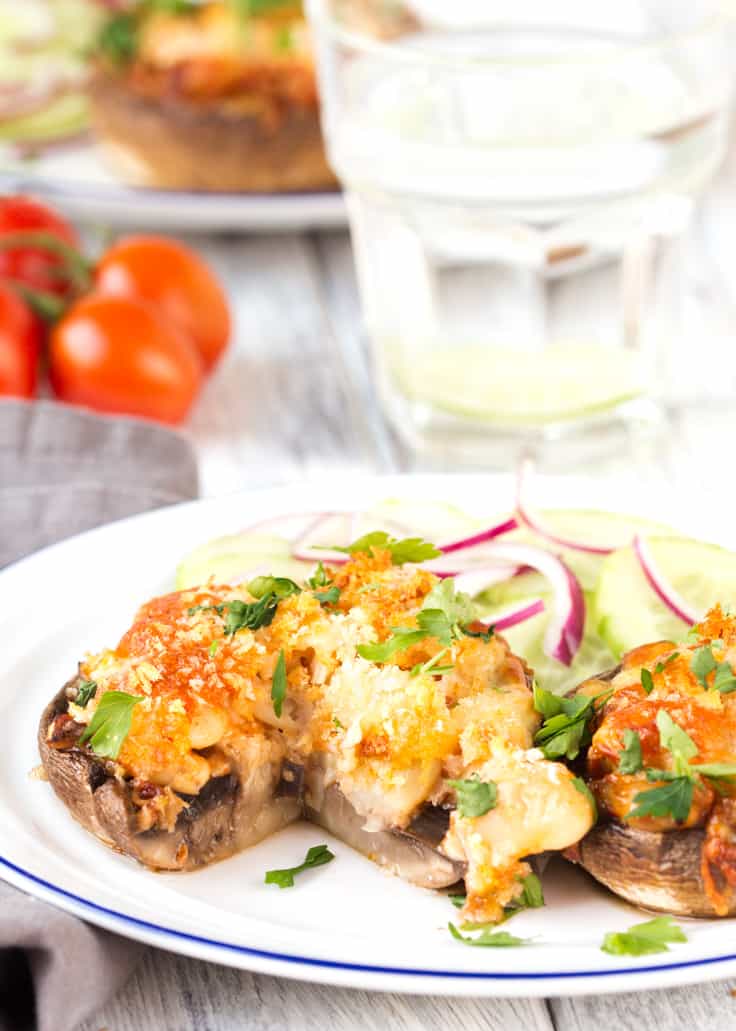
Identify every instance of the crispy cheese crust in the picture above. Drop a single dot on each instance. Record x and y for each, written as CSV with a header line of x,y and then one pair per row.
x,y
388,737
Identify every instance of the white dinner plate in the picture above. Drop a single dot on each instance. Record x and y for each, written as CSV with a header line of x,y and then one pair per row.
x,y
348,923
75,178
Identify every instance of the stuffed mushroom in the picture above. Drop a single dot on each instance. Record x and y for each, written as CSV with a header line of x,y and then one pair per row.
x,y
661,764
365,700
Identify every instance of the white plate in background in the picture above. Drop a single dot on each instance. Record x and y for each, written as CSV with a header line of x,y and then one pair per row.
x,y
75,179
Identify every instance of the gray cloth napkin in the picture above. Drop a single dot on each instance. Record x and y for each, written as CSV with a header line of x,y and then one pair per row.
x,y
64,470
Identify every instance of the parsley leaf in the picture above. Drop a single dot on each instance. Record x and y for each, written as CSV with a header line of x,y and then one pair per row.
x,y
456,605
110,724
579,784
319,579
214,645
488,938
458,901
485,635
86,689
629,759
703,663
411,549
474,797
401,639
673,798
278,684
280,586
677,742
724,680
646,681
661,666
329,597
725,770
532,896
318,855
434,623
567,729
431,666
644,939
250,615
118,38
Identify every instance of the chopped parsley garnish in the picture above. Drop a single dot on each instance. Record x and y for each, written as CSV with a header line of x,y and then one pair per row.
x,y
661,666
673,798
280,586
566,727
401,639
716,771
485,635
320,578
317,855
110,724
329,597
432,665
677,742
213,648
703,663
240,615
474,797
487,938
579,784
325,591
278,684
644,939
337,723
532,896
411,549
675,795
86,689
647,681
629,759
443,615
118,38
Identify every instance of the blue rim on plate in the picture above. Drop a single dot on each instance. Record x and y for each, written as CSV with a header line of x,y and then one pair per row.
x,y
329,964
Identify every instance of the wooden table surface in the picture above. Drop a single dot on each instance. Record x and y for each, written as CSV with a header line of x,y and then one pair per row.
x,y
294,398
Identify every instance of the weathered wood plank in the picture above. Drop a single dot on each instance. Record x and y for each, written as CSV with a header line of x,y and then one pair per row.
x,y
705,1007
169,993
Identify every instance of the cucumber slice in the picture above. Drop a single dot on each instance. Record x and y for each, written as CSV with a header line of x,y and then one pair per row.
x,y
237,558
629,613
527,639
436,521
605,529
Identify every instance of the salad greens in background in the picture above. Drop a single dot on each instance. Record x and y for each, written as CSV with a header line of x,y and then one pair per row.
x,y
621,609
43,54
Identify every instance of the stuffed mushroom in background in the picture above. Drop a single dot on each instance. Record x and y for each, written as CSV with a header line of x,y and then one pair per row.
x,y
214,96
661,764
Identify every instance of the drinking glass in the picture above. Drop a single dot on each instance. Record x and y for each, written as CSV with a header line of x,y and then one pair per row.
x,y
517,178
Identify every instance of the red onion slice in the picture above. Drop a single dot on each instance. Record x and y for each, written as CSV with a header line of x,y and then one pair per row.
x,y
532,522
481,537
516,616
473,581
566,626
664,590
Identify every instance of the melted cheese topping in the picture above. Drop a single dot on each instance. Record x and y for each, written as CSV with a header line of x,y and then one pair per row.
x,y
388,739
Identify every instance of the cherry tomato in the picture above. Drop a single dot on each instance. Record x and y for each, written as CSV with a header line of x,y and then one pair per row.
x,y
20,340
176,281
117,354
34,266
